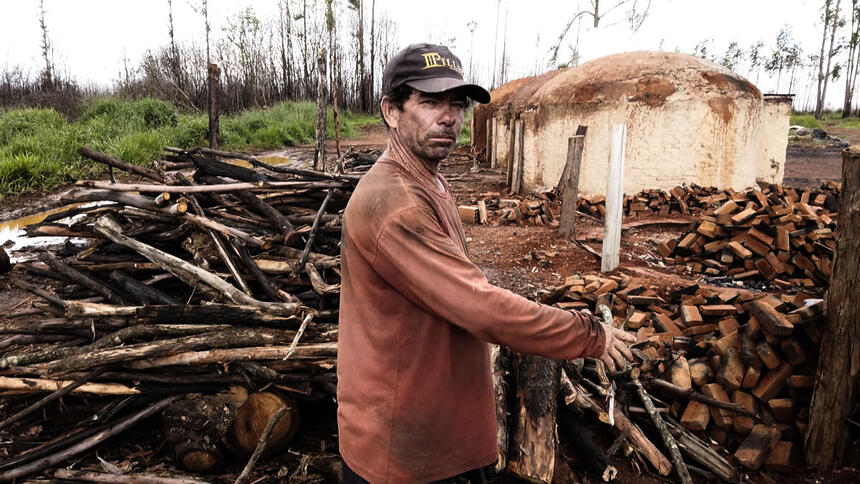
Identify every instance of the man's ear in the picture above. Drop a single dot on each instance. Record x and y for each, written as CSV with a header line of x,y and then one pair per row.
x,y
389,112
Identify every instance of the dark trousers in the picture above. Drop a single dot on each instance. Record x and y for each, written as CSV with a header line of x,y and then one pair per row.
x,y
475,476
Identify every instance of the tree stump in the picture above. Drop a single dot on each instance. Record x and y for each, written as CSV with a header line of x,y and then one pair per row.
x,y
839,362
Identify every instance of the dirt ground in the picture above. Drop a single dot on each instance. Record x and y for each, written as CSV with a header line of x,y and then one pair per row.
x,y
507,254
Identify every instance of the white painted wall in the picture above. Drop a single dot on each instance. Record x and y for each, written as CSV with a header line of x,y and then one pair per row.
x,y
685,140
775,119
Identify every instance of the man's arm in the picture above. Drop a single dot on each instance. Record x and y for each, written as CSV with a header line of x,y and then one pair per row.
x,y
424,264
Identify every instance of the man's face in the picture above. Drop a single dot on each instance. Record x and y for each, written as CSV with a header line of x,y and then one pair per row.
x,y
429,124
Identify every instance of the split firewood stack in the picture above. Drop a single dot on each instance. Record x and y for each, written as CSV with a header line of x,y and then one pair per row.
x,y
681,200
721,383
540,208
208,296
781,236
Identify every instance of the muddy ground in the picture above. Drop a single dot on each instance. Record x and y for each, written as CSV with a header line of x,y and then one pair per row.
x,y
506,254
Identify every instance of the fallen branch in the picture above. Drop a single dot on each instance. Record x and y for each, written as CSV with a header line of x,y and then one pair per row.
x,y
237,354
75,475
86,444
680,466
63,390
261,445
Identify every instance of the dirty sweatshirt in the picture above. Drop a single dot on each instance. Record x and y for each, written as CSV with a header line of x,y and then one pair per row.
x,y
414,392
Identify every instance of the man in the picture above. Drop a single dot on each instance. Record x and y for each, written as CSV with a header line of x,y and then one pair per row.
x,y
415,396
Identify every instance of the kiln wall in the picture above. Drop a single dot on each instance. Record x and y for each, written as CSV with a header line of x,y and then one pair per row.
x,y
708,142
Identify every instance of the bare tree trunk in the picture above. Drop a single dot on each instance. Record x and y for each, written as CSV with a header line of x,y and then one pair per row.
x,y
361,74
839,361
831,22
214,129
307,79
281,30
851,67
47,81
319,154
371,84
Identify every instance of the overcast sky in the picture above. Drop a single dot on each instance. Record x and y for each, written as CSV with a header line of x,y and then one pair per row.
x,y
91,37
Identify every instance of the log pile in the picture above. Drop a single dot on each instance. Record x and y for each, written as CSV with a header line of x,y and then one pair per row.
x,y
490,208
681,200
712,364
194,292
779,235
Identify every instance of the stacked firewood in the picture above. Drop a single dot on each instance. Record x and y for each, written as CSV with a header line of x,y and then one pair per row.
x,y
490,208
195,290
784,236
719,365
681,200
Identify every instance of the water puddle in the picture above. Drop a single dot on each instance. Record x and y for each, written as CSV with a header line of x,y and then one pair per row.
x,y
15,240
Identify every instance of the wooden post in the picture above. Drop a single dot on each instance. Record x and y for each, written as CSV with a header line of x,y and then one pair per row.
x,y
319,154
517,169
614,199
491,142
568,184
490,139
510,158
839,364
214,128
500,360
531,453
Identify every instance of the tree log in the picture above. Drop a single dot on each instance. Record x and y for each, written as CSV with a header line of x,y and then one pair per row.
x,y
237,354
187,314
141,292
531,454
500,364
275,168
195,425
222,188
235,337
107,160
838,373
189,273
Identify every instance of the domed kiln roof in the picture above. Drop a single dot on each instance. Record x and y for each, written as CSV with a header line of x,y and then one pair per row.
x,y
646,77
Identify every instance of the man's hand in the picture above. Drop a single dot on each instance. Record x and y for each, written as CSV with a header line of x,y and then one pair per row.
x,y
616,354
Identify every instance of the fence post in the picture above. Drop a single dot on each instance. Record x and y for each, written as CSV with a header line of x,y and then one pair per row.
x,y
614,199
568,185
838,373
319,154
214,128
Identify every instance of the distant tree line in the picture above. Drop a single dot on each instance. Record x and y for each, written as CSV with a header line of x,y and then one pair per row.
x,y
262,61
807,73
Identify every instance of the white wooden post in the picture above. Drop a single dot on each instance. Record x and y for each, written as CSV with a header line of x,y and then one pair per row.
x,y
614,199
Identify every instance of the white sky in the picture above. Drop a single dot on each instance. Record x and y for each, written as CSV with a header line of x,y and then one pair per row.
x,y
90,37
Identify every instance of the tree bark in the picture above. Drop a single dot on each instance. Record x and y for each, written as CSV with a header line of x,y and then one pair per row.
x,y
838,371
214,124
533,443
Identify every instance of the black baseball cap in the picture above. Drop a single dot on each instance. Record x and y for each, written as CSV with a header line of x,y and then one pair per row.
x,y
429,68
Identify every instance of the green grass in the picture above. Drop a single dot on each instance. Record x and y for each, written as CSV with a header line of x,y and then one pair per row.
x,y
848,123
806,120
38,147
466,134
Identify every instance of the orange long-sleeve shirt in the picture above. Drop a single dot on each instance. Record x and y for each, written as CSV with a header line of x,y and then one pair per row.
x,y
415,396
